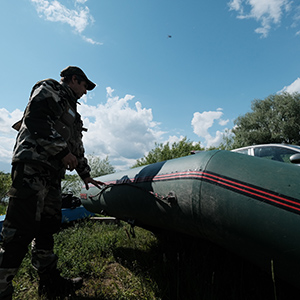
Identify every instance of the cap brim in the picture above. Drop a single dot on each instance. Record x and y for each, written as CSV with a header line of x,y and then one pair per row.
x,y
90,85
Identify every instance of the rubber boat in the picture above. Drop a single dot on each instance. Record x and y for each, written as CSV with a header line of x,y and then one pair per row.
x,y
246,204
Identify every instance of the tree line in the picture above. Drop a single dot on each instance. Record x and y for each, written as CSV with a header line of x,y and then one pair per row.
x,y
275,119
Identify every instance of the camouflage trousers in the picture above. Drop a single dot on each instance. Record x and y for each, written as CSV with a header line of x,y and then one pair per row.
x,y
33,216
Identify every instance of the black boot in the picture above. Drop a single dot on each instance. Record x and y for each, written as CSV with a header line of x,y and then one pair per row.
x,y
54,286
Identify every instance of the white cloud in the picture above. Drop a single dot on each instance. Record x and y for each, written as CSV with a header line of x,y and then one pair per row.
x,y
296,18
6,146
223,122
109,91
266,12
80,1
121,129
292,88
7,133
174,139
78,18
216,140
117,129
91,41
7,119
236,5
201,123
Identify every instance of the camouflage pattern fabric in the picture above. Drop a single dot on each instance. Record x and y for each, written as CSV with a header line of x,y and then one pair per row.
x,y
34,213
51,128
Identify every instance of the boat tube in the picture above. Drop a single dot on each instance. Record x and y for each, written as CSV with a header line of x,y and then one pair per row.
x,y
246,204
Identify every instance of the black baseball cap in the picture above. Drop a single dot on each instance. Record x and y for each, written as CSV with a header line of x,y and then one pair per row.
x,y
72,70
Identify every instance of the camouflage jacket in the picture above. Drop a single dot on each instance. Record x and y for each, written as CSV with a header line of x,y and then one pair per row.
x,y
50,128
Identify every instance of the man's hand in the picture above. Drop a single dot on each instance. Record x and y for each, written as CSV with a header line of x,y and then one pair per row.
x,y
96,183
70,161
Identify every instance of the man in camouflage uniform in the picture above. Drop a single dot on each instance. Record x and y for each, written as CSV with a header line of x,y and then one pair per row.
x,y
49,141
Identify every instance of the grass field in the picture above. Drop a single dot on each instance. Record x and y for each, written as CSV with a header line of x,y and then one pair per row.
x,y
115,265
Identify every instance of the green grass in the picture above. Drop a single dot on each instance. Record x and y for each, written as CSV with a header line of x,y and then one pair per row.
x,y
116,266
3,207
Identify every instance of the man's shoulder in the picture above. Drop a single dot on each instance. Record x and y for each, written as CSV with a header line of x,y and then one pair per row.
x,y
46,86
48,82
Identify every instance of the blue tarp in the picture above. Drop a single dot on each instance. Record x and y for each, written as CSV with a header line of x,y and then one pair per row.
x,y
73,214
68,215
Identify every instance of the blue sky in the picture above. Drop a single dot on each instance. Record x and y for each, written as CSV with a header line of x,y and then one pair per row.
x,y
164,69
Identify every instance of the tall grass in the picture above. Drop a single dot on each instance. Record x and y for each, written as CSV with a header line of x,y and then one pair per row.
x,y
3,207
115,265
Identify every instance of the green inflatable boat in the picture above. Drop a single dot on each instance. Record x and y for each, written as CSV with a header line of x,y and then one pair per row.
x,y
245,204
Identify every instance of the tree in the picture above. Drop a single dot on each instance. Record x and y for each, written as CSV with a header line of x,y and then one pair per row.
x,y
227,141
5,183
163,152
99,166
275,119
73,183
